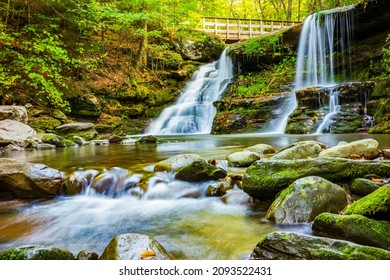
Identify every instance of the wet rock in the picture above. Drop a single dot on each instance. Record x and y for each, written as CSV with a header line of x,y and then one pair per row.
x,y
355,228
367,148
85,130
76,183
386,153
16,113
261,149
300,150
265,178
242,159
375,205
25,179
363,187
102,142
52,139
306,198
236,197
36,252
45,147
147,139
198,171
14,132
220,188
174,163
85,255
131,246
114,181
296,246
80,141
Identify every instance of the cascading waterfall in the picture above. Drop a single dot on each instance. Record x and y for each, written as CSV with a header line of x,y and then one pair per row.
x,y
193,113
322,35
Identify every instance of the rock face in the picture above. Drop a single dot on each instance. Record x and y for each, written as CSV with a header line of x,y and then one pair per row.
x,y
13,131
133,246
313,105
265,178
300,150
355,228
295,246
29,180
198,171
375,205
174,163
367,148
306,198
37,252
85,130
15,113
242,159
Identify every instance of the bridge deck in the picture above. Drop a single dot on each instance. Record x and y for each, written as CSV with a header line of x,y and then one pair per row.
x,y
235,29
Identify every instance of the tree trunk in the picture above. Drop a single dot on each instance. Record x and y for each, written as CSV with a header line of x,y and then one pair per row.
x,y
143,46
289,9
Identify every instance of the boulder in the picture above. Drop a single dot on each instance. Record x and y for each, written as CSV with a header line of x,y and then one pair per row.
x,y
13,131
242,159
355,228
375,205
199,171
36,252
52,139
29,179
45,146
297,246
366,148
16,113
363,187
220,188
148,139
261,149
134,246
174,163
85,130
265,178
300,150
306,198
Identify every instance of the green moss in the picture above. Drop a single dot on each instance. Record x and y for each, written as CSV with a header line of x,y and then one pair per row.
x,y
374,204
44,124
36,253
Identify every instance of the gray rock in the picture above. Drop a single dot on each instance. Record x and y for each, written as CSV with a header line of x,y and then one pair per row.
x,y
13,131
45,146
306,198
85,130
261,149
85,255
220,188
296,246
134,246
16,113
236,197
300,150
174,163
28,179
367,148
242,159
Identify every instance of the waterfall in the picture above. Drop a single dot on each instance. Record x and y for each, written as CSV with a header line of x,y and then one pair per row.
x,y
193,112
322,35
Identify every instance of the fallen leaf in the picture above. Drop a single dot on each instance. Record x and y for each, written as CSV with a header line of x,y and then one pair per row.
x,y
147,255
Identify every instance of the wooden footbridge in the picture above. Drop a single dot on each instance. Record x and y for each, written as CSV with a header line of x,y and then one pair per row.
x,y
235,29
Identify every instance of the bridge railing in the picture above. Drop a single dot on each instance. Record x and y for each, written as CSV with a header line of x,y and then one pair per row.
x,y
240,28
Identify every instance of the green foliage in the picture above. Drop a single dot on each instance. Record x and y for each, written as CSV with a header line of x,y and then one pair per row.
x,y
386,56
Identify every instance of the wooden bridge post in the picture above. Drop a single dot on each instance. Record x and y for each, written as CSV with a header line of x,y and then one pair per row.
x,y
250,28
239,29
215,26
227,29
261,27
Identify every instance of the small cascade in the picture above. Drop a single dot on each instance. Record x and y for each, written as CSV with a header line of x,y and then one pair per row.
x,y
193,113
334,108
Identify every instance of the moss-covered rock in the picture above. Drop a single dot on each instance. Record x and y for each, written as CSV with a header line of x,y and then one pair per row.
x,y
265,178
174,163
198,171
134,246
363,187
44,124
85,130
53,139
36,252
355,228
306,198
296,246
375,205
147,139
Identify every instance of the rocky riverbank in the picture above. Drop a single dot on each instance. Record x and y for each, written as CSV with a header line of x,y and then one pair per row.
x,y
342,192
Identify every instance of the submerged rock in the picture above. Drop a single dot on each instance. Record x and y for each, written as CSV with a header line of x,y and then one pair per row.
x,y
375,205
132,246
36,252
174,163
355,228
220,188
306,198
242,159
236,196
25,179
366,148
296,246
147,139
198,171
265,178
